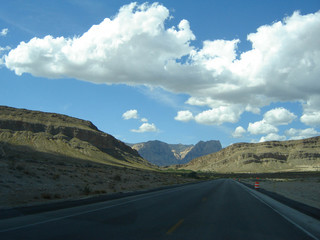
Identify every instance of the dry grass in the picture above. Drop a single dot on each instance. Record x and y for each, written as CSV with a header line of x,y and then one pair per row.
x,y
28,181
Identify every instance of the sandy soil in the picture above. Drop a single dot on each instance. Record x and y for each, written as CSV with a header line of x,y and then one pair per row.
x,y
28,182
304,190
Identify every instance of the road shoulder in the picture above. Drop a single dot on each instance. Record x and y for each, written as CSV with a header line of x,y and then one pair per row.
x,y
306,223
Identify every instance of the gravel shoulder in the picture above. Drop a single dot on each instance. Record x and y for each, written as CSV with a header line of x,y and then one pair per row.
x,y
305,190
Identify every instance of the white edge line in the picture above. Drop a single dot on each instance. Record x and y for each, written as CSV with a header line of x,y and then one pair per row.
x,y
288,219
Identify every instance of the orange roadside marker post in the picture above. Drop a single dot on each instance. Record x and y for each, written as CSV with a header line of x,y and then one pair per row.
x,y
256,185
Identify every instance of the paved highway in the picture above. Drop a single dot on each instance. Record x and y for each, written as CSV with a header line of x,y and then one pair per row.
x,y
219,209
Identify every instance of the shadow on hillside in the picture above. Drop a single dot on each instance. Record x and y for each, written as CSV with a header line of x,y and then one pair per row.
x,y
14,153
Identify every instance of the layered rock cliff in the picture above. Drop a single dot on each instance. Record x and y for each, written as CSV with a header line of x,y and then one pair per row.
x,y
273,156
61,135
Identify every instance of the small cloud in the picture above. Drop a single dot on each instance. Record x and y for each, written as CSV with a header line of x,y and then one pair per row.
x,y
311,118
219,115
4,32
184,116
144,120
272,137
279,116
296,134
130,114
146,127
7,48
261,127
238,133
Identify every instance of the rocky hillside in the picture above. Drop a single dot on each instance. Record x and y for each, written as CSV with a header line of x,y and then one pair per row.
x,y
48,156
273,156
48,135
156,152
164,154
201,149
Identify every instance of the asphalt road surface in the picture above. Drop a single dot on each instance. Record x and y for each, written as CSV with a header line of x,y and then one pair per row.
x,y
219,209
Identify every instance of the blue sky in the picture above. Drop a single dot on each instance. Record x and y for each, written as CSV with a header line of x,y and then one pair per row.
x,y
175,71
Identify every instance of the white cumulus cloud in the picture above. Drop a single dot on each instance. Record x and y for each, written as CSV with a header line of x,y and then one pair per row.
x,y
130,114
272,137
217,116
261,127
4,32
144,120
146,127
239,132
279,116
184,116
135,47
296,134
311,113
311,118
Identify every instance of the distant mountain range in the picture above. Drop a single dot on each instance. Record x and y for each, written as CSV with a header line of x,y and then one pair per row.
x,y
42,137
164,154
273,156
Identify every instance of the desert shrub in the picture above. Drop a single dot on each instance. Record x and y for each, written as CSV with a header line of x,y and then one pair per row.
x,y
46,195
88,165
19,167
57,195
193,175
27,172
145,177
117,177
100,191
86,190
55,176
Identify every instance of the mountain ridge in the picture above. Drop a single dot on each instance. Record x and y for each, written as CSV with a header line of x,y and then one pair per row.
x,y
164,154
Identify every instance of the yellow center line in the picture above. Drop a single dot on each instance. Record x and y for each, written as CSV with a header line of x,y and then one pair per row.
x,y
174,227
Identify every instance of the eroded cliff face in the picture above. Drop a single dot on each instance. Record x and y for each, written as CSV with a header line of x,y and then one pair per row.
x,y
164,154
273,156
202,148
157,152
60,134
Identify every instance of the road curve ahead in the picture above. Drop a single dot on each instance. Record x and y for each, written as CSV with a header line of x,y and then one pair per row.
x,y
219,209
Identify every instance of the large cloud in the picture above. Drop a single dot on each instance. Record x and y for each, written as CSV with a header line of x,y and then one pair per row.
x,y
135,47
